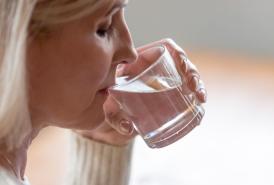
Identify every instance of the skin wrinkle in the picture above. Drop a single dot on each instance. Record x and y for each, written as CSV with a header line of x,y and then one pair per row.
x,y
67,71
91,53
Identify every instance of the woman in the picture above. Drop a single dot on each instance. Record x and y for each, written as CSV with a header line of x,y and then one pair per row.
x,y
57,59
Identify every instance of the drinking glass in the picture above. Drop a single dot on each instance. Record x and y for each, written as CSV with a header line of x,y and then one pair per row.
x,y
156,99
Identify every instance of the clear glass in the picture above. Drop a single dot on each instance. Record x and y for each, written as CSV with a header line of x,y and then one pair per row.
x,y
155,98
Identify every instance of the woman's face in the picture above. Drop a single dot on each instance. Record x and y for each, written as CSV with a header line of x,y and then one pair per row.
x,y
70,69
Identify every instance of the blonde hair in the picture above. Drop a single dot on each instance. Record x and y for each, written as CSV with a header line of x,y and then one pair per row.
x,y
18,20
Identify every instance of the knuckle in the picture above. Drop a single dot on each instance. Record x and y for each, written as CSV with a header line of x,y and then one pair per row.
x,y
201,85
192,76
191,68
183,64
110,115
174,46
113,119
168,41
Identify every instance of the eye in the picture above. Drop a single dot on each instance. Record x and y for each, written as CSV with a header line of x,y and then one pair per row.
x,y
103,31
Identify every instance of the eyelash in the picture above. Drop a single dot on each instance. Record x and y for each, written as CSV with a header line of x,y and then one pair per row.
x,y
102,32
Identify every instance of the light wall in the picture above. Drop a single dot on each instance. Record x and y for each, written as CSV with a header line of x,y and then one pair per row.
x,y
240,26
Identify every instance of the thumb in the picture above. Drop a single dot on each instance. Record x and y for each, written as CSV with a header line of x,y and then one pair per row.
x,y
117,118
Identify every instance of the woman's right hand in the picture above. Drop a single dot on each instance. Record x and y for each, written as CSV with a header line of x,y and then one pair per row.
x,y
116,129
185,67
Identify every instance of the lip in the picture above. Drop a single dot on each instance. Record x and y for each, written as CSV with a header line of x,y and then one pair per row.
x,y
103,91
106,86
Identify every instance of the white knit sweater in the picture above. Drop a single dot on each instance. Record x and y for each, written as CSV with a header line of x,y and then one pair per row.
x,y
92,163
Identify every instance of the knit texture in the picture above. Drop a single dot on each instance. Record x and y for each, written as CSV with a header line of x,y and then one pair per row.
x,y
94,163
8,179
91,163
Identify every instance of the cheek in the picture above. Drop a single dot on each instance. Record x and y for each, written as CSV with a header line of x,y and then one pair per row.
x,y
101,66
64,80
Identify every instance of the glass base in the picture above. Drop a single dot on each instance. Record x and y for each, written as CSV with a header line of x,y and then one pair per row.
x,y
174,129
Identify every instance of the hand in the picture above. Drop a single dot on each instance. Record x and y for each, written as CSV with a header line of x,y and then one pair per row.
x,y
117,129
187,70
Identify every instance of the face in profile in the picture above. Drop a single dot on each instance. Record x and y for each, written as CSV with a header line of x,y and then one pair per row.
x,y
71,68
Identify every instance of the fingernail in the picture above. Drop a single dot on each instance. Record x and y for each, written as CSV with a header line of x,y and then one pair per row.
x,y
184,58
119,70
126,127
194,82
184,63
120,66
202,95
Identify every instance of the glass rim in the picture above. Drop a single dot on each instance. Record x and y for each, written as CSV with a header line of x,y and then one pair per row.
x,y
144,71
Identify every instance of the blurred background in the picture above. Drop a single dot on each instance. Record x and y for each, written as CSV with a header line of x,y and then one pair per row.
x,y
232,44
242,26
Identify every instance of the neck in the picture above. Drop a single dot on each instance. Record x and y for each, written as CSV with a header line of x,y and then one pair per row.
x,y
15,160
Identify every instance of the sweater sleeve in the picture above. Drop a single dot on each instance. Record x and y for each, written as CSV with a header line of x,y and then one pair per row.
x,y
7,179
95,163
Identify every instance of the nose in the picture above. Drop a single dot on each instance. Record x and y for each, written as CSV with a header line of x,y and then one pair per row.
x,y
126,52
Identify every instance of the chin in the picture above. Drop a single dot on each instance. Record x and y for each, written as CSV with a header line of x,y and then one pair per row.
x,y
92,121
89,118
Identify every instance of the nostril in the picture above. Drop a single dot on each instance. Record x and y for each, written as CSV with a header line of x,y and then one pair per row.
x,y
125,55
124,62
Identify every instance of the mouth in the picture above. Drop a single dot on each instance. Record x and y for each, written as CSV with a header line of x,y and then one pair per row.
x,y
109,82
105,88
103,91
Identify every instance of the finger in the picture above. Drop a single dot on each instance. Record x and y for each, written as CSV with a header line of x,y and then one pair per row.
x,y
202,95
168,42
110,137
185,66
115,138
191,74
197,86
116,118
191,69
180,57
193,80
173,47
144,60
120,123
193,83
201,92
126,69
120,70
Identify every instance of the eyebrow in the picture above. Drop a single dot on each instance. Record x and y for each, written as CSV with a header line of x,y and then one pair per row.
x,y
115,7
